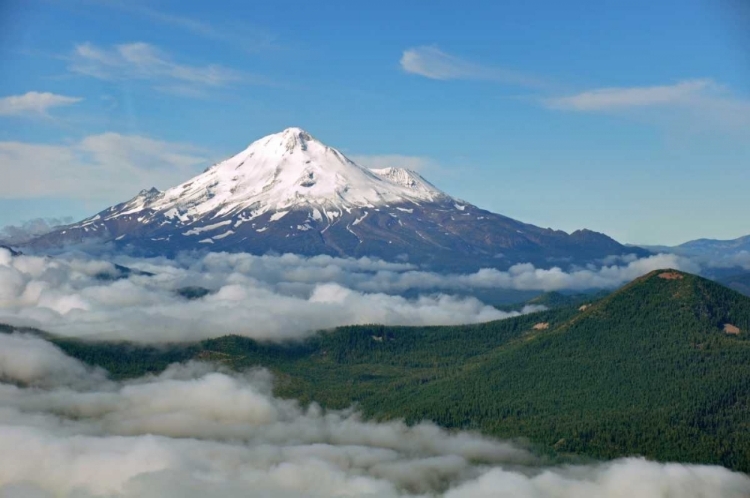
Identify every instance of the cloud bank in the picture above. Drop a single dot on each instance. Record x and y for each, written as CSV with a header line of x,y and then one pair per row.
x,y
66,430
265,297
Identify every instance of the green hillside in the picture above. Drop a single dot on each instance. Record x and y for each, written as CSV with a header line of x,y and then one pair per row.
x,y
660,368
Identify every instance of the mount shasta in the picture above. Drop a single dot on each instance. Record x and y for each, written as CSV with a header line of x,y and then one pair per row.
x,y
288,192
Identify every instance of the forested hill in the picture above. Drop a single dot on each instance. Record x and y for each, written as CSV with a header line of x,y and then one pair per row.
x,y
660,368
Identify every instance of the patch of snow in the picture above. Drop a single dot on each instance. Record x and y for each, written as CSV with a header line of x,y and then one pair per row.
x,y
408,179
196,231
460,207
410,210
206,241
358,220
117,238
223,235
262,229
175,213
349,229
278,215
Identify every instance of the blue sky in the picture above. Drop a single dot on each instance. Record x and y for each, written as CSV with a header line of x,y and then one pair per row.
x,y
627,117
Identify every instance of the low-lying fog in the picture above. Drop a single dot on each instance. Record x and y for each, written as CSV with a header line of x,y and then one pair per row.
x,y
67,430
267,297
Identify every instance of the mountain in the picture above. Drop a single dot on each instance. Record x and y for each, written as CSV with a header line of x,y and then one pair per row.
x,y
659,368
288,192
10,250
721,257
712,247
739,282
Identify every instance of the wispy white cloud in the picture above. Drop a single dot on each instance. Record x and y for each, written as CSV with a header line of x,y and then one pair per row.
x,y
378,161
433,63
142,61
695,103
33,103
604,99
107,166
245,37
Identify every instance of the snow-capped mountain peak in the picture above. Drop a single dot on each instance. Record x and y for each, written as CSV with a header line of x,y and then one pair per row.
x,y
406,178
287,171
289,192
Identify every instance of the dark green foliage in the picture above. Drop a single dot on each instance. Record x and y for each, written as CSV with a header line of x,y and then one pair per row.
x,y
120,272
647,370
192,292
559,299
556,299
9,329
124,360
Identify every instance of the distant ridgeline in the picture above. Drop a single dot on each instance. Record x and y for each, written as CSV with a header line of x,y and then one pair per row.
x,y
660,368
